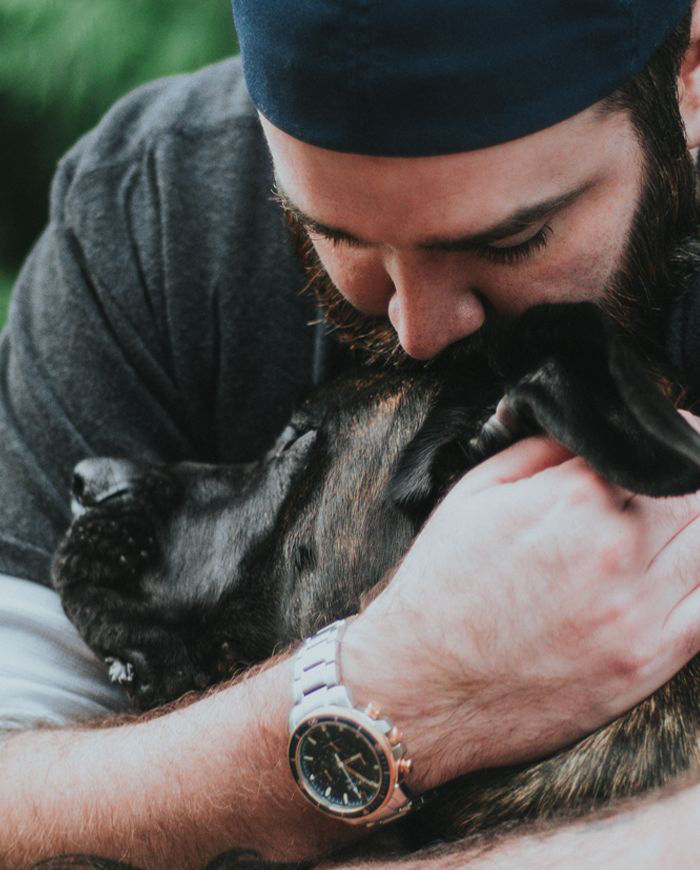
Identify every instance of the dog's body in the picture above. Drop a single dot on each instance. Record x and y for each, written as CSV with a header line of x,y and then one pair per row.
x,y
179,575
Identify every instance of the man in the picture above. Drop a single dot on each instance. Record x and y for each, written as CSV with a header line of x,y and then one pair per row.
x,y
157,316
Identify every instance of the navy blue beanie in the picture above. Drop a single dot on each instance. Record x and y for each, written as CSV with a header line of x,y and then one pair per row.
x,y
420,77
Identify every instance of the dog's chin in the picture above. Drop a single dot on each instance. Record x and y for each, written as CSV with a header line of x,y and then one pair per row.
x,y
101,559
101,569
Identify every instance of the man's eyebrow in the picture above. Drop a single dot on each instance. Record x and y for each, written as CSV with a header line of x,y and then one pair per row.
x,y
512,225
515,223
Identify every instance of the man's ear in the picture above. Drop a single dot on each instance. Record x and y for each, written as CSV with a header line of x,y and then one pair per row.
x,y
689,82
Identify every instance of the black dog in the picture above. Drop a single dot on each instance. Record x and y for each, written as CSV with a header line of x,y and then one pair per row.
x,y
179,575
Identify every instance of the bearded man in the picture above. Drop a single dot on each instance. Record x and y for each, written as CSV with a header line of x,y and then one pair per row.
x,y
444,167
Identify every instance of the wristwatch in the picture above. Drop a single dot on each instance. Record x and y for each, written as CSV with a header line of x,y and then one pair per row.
x,y
349,763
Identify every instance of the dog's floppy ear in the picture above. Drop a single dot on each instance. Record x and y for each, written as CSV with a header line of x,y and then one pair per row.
x,y
568,375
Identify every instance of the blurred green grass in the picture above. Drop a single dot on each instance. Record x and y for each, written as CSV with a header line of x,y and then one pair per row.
x,y
62,64
78,55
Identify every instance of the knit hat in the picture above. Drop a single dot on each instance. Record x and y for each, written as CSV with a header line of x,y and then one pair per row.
x,y
421,77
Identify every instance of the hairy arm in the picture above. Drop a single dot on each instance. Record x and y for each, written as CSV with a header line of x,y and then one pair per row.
x,y
168,791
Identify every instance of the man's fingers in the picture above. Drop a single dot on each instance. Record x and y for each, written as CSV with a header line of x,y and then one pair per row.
x,y
671,530
691,419
520,460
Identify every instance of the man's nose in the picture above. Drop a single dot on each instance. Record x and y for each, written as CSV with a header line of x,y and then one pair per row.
x,y
430,307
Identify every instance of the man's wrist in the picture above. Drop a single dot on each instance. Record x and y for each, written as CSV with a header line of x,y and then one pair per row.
x,y
379,668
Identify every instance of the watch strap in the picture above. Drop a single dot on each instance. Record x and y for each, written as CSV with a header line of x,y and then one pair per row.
x,y
317,685
316,674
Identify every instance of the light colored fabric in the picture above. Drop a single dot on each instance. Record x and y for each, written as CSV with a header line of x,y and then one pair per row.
x,y
47,673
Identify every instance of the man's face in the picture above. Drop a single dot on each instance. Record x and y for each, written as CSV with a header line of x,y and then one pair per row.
x,y
437,244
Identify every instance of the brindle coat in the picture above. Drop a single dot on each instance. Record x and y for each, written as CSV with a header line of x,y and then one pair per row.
x,y
180,574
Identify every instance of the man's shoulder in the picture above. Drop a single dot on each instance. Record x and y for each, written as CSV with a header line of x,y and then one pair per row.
x,y
188,108
177,165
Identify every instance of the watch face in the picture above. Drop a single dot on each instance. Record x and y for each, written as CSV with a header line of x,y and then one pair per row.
x,y
339,765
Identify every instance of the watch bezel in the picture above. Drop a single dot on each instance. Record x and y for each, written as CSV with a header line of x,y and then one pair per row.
x,y
367,727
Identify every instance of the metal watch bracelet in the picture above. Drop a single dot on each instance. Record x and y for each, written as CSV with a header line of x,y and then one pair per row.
x,y
317,684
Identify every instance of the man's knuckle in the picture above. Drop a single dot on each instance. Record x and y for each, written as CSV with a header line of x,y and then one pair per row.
x,y
586,486
634,654
616,553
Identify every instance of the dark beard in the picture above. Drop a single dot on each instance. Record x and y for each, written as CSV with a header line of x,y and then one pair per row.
x,y
660,249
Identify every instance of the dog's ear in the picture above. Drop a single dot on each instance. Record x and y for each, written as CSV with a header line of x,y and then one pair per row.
x,y
568,375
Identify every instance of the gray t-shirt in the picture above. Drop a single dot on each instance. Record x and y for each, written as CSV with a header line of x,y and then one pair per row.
x,y
159,315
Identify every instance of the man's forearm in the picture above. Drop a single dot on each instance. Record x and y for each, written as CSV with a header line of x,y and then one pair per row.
x,y
172,791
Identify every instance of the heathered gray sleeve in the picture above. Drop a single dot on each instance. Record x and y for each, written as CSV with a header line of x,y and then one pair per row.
x,y
158,315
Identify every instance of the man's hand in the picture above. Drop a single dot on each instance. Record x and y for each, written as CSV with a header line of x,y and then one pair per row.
x,y
538,603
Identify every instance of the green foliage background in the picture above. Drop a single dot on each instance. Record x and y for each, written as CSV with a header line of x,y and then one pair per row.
x,y
62,64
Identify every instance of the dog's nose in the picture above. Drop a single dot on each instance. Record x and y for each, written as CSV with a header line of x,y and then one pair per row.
x,y
96,480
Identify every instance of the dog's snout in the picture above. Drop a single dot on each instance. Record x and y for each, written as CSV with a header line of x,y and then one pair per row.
x,y
96,480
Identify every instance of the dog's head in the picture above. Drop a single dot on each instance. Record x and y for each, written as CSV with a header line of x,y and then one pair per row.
x,y
181,573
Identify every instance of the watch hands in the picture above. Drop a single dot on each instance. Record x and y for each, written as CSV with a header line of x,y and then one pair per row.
x,y
360,776
347,775
354,757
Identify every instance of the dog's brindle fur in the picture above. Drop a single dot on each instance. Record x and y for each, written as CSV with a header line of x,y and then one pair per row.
x,y
188,572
